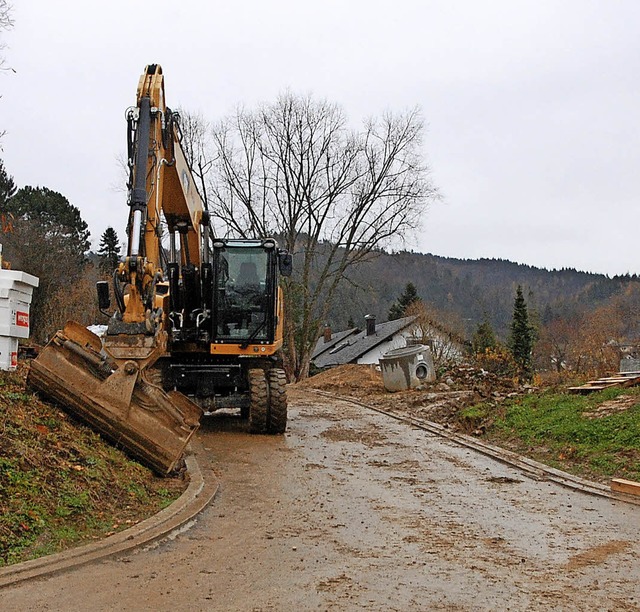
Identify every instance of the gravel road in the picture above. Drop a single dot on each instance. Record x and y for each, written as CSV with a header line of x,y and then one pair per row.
x,y
353,511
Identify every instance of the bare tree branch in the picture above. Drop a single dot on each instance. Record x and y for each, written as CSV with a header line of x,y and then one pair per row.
x,y
333,196
6,23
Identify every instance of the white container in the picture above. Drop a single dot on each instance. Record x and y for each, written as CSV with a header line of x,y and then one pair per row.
x,y
16,290
17,282
14,318
8,353
406,368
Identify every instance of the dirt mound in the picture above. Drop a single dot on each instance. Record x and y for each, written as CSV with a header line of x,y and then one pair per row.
x,y
441,401
350,379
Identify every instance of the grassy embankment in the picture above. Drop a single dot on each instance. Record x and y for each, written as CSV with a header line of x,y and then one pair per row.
x,y
60,483
595,436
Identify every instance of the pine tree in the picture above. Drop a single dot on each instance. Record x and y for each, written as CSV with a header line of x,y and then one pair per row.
x,y
48,239
399,308
109,250
483,338
7,190
7,186
521,339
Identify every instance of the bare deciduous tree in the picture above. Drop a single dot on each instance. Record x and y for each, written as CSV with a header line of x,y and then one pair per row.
x,y
6,23
196,143
556,348
332,196
442,332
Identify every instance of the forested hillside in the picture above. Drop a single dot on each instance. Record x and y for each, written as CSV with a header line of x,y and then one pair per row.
x,y
472,290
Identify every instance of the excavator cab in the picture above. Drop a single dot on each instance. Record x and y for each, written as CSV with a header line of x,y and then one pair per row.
x,y
234,361
246,285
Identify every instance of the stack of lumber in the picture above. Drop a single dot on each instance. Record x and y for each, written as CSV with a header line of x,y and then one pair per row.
x,y
622,379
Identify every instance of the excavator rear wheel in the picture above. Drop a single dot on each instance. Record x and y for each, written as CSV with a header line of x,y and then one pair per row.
x,y
277,416
259,401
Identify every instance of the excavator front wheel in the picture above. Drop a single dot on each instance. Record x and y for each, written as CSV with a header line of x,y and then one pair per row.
x,y
259,401
277,414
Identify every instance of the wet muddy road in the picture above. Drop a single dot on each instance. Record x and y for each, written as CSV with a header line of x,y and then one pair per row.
x,y
354,511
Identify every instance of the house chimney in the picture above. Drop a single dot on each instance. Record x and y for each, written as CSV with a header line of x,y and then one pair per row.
x,y
370,321
327,334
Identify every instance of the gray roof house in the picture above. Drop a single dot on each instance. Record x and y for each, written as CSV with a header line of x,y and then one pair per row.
x,y
363,347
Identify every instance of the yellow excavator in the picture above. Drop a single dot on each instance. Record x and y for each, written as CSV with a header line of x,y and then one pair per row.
x,y
198,320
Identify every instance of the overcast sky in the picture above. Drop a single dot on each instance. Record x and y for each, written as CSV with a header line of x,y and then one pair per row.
x,y
532,107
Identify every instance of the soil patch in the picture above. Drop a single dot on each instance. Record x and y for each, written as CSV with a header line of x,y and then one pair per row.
x,y
619,404
441,401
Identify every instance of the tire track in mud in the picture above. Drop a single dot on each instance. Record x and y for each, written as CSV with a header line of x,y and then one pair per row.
x,y
526,537
529,466
351,510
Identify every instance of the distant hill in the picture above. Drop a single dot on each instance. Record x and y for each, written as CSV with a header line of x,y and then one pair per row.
x,y
471,290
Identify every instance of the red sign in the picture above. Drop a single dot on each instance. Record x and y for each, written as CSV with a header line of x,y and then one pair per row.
x,y
14,360
22,319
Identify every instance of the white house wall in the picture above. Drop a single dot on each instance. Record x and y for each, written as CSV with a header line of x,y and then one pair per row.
x,y
399,340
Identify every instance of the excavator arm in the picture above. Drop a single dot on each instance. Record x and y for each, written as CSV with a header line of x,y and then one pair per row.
x,y
161,187
198,319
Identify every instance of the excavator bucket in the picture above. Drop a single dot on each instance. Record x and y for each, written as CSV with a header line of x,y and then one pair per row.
x,y
115,398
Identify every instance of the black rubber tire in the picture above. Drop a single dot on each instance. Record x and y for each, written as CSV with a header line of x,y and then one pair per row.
x,y
259,401
277,415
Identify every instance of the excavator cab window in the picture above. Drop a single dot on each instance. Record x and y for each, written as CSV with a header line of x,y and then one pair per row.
x,y
243,308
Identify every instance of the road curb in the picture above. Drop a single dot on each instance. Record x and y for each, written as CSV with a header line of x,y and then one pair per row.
x,y
534,469
202,488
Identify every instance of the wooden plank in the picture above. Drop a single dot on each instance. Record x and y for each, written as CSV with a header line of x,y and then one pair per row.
x,y
595,385
625,486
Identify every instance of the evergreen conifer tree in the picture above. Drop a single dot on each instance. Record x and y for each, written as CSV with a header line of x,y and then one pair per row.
x,y
109,250
409,296
483,338
7,191
521,338
7,186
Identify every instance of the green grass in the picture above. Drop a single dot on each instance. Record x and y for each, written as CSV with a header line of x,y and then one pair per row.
x,y
554,427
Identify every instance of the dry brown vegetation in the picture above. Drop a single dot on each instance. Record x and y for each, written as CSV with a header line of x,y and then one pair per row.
x,y
442,401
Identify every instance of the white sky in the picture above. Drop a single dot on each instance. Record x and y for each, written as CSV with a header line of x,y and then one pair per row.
x,y
532,106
